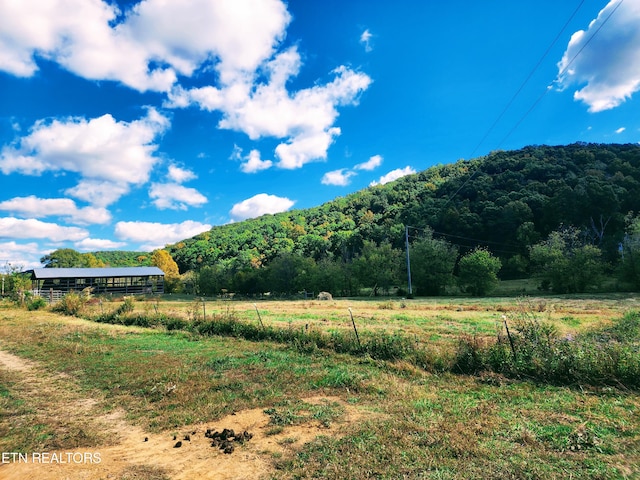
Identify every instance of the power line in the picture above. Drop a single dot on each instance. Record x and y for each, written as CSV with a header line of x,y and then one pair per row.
x,y
562,72
526,80
510,102
476,241
537,101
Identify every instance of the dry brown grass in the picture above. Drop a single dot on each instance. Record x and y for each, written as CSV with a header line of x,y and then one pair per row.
x,y
427,320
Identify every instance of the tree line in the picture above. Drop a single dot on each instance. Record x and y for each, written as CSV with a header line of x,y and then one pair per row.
x,y
566,215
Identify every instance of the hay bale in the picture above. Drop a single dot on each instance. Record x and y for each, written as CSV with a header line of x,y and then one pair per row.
x,y
325,296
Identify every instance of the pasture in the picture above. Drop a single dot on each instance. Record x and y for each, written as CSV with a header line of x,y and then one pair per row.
x,y
70,386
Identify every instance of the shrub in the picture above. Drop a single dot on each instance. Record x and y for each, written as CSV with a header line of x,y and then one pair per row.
x,y
173,323
36,303
71,304
126,307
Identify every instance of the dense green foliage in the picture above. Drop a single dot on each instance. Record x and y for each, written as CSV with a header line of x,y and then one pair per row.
x,y
567,264
478,272
631,252
122,258
432,263
69,258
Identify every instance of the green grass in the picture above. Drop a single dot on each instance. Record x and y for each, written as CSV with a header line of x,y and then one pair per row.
x,y
413,424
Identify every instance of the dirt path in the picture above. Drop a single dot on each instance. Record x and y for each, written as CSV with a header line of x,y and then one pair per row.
x,y
125,451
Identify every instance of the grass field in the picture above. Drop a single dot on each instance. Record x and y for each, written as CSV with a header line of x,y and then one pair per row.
x,y
427,319
71,385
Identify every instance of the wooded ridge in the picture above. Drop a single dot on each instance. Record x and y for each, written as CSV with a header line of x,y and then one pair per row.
x,y
506,202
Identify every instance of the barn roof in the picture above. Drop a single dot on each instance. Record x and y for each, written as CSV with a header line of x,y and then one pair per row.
x,y
43,273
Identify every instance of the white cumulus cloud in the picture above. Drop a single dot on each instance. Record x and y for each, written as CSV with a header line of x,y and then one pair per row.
x,y
605,58
66,208
97,244
102,150
153,235
241,41
11,227
371,164
258,205
304,120
175,196
394,175
19,256
338,177
180,175
162,40
252,163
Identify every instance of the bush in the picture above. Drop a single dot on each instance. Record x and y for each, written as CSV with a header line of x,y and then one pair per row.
x,y
71,304
36,303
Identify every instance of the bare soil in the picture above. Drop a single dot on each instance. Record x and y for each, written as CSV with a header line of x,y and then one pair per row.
x,y
109,447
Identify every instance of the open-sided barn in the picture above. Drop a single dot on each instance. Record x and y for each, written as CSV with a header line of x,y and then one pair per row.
x,y
115,281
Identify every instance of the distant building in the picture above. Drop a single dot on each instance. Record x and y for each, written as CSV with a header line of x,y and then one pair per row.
x,y
114,281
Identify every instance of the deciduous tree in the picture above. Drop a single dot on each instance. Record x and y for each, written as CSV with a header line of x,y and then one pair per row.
x,y
432,264
378,266
565,263
162,259
478,271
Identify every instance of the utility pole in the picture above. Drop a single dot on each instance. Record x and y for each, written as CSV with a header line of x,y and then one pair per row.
x,y
4,273
406,239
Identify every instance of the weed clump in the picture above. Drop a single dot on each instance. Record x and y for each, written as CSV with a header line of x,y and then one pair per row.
x,y
36,303
534,349
72,304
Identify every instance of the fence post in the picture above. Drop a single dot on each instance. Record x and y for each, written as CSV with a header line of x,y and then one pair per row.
x,y
355,329
259,317
513,350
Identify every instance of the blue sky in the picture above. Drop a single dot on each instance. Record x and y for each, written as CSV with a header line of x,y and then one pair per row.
x,y
131,125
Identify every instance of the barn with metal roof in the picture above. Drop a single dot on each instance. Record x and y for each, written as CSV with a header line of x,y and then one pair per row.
x,y
114,281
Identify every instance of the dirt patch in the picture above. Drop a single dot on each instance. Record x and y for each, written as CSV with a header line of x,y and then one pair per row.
x,y
127,451
12,362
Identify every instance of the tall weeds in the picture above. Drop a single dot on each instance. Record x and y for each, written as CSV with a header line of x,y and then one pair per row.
x,y
532,348
609,356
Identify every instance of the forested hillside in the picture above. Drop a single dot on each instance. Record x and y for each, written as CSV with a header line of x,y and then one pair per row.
x,y
506,202
567,215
